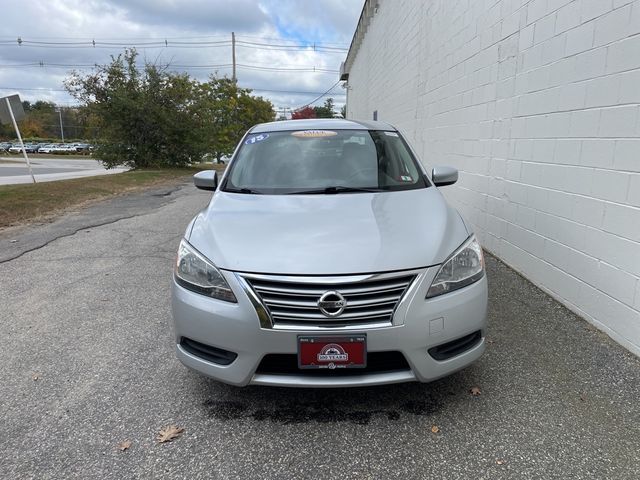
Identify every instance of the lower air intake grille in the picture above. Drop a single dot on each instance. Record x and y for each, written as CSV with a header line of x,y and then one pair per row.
x,y
207,352
456,347
370,302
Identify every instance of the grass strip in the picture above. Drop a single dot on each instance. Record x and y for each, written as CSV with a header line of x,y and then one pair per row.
x,y
26,203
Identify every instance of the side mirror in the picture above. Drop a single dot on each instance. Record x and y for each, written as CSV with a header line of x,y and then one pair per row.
x,y
443,176
206,180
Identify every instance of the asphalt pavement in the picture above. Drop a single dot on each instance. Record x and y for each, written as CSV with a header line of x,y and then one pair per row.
x,y
87,362
14,170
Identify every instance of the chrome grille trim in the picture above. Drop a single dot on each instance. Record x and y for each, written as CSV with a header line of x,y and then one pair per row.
x,y
290,302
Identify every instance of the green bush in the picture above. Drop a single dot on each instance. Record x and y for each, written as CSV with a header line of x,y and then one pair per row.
x,y
151,117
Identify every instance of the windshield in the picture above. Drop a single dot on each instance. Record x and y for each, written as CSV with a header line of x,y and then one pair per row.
x,y
323,161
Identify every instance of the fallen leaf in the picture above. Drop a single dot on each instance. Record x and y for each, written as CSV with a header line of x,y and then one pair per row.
x,y
35,377
583,397
501,462
435,429
491,342
475,391
124,445
169,433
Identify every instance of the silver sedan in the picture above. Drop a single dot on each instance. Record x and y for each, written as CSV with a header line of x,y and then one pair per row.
x,y
328,257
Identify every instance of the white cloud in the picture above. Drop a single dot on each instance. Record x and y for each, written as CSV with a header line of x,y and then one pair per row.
x,y
328,22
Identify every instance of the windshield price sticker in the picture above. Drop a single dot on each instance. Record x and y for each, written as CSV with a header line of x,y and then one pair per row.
x,y
256,139
314,133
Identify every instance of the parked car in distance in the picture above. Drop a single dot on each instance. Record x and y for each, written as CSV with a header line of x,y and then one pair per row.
x,y
328,257
46,148
5,146
28,147
82,147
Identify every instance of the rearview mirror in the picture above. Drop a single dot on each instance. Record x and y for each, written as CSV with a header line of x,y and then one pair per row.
x,y
443,176
206,180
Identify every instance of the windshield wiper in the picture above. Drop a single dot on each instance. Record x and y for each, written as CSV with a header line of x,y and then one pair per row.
x,y
334,189
242,190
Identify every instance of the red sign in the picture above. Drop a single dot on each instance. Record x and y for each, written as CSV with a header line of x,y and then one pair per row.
x,y
332,352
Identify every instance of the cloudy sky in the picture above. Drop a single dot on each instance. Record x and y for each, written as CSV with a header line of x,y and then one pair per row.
x,y
275,42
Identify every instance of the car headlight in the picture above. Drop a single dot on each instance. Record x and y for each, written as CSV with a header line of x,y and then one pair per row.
x,y
195,272
464,267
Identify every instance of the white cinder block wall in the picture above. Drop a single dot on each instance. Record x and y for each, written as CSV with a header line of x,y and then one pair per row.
x,y
537,103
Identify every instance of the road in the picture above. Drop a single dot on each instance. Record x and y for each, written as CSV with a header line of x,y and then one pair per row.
x,y
14,170
86,362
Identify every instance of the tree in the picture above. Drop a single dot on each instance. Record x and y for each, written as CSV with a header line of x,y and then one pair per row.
x,y
148,117
229,112
326,111
343,111
306,112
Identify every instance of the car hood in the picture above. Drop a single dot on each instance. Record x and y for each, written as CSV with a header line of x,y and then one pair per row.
x,y
328,234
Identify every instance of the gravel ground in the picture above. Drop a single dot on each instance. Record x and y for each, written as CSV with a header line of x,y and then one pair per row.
x,y
86,362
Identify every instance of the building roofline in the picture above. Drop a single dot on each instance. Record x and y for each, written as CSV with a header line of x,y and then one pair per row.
x,y
369,9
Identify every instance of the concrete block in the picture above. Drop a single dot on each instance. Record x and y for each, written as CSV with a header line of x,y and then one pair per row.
x,y
629,86
627,155
597,152
525,39
587,211
590,64
617,283
567,151
613,249
580,39
619,121
590,9
560,204
585,123
623,55
613,26
568,17
603,91
572,96
544,28
622,220
579,180
611,185
633,196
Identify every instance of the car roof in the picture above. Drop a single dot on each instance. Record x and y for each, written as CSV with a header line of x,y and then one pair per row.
x,y
320,124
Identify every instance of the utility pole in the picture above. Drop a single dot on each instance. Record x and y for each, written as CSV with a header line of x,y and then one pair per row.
x,y
59,110
233,54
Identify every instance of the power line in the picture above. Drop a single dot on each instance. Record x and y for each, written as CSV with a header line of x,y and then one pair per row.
x,y
165,43
308,42
306,69
274,46
194,67
318,97
295,92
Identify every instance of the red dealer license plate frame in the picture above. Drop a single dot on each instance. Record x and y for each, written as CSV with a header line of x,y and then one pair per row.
x,y
328,352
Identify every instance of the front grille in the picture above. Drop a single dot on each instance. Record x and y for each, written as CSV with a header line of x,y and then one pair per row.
x,y
292,303
377,362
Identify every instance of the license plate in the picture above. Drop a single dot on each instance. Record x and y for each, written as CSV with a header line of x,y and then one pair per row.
x,y
332,352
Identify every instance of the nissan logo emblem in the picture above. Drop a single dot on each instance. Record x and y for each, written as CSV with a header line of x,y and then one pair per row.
x,y
332,303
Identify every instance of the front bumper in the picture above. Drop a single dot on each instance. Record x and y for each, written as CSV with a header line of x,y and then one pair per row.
x,y
419,325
